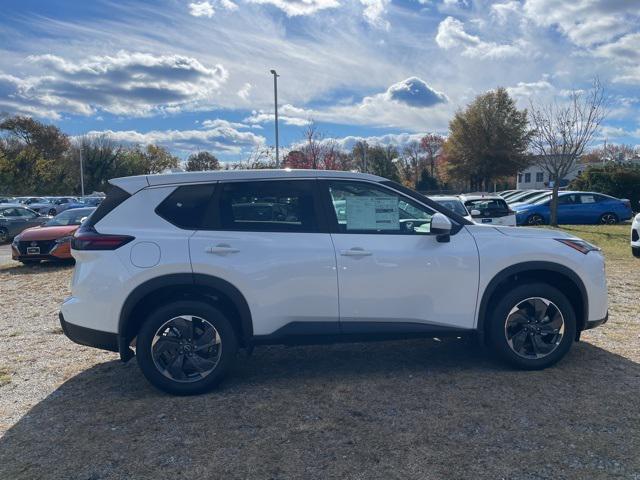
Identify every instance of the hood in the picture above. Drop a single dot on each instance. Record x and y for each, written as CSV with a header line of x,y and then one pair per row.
x,y
47,233
533,232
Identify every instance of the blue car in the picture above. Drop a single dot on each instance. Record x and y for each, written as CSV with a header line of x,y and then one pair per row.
x,y
575,208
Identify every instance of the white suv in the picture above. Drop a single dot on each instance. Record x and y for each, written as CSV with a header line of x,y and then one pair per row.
x,y
187,268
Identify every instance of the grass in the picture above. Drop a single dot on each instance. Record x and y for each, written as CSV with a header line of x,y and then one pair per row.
x,y
612,239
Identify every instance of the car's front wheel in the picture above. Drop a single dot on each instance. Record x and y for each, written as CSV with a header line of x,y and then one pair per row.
x,y
186,347
535,219
532,326
635,251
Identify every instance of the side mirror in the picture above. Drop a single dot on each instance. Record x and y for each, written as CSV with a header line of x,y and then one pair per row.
x,y
441,227
475,213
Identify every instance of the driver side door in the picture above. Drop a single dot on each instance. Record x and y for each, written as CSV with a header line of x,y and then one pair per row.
x,y
393,275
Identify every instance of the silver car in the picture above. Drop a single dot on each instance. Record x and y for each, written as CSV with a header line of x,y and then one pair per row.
x,y
16,218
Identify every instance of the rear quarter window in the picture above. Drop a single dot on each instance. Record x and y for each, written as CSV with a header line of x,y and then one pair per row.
x,y
187,206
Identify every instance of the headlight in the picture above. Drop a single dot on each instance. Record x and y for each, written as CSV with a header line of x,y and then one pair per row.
x,y
579,245
16,240
64,239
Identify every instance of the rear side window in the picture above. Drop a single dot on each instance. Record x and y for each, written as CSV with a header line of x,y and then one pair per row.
x,y
268,206
187,206
115,196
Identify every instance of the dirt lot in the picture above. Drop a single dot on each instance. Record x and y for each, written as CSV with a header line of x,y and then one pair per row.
x,y
419,409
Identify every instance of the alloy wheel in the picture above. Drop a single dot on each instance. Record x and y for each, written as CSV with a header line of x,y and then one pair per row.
x,y
534,328
535,220
608,219
186,348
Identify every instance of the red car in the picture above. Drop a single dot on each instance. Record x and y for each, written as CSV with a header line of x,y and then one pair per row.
x,y
52,240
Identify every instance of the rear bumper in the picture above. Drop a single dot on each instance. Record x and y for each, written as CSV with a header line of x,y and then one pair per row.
x,y
89,337
596,323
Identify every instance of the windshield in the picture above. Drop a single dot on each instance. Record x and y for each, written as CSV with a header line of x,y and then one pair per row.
x,y
453,205
70,217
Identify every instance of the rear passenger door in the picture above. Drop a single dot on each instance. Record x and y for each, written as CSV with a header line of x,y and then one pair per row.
x,y
269,239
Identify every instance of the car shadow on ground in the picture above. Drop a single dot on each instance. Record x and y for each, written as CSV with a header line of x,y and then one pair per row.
x,y
414,409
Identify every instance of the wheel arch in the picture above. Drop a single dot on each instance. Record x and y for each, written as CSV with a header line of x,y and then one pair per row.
x,y
555,274
179,286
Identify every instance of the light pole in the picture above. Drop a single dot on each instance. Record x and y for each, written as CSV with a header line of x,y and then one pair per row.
x,y
275,99
81,172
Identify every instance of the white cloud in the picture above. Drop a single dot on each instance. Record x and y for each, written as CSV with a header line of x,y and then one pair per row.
x,y
374,11
201,9
219,138
526,90
127,83
221,123
410,104
299,7
586,22
398,140
245,91
452,35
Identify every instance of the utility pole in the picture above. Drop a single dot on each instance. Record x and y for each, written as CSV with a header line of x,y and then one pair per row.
x,y
275,99
81,172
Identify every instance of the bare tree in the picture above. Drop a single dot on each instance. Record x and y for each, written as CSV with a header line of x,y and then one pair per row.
x,y
411,162
432,145
562,131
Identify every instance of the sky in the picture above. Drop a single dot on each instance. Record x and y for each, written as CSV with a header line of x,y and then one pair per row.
x,y
195,75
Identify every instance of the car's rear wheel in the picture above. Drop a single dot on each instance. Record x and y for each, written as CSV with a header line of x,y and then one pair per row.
x,y
52,212
608,219
532,326
4,235
535,219
186,347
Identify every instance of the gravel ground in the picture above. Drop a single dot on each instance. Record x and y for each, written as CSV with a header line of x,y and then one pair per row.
x,y
417,409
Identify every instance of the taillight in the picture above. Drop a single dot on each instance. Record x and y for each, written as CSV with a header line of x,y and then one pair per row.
x,y
89,239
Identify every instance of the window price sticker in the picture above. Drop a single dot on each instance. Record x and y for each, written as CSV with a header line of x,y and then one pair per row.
x,y
372,213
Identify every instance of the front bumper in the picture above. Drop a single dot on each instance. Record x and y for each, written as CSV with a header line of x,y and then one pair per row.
x,y
596,323
89,337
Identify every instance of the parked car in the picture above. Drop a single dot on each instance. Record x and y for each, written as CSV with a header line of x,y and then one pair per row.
x,y
524,196
16,218
454,204
575,208
7,199
52,205
512,193
635,236
166,264
532,199
51,241
489,209
29,200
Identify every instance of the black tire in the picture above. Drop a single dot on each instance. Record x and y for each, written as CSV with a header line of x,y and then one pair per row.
x,y
535,219
635,251
30,262
4,235
151,370
608,218
497,329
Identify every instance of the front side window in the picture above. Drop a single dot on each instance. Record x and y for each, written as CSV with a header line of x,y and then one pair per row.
x,y
362,207
24,213
270,206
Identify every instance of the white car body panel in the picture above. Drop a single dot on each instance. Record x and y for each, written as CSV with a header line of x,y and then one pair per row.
x,y
635,225
408,278
285,277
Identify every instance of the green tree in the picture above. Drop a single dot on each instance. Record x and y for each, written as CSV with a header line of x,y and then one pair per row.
x,y
488,139
202,161
158,159
33,156
382,161
622,181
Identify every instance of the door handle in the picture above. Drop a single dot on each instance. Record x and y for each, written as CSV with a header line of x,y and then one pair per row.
x,y
222,249
355,252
